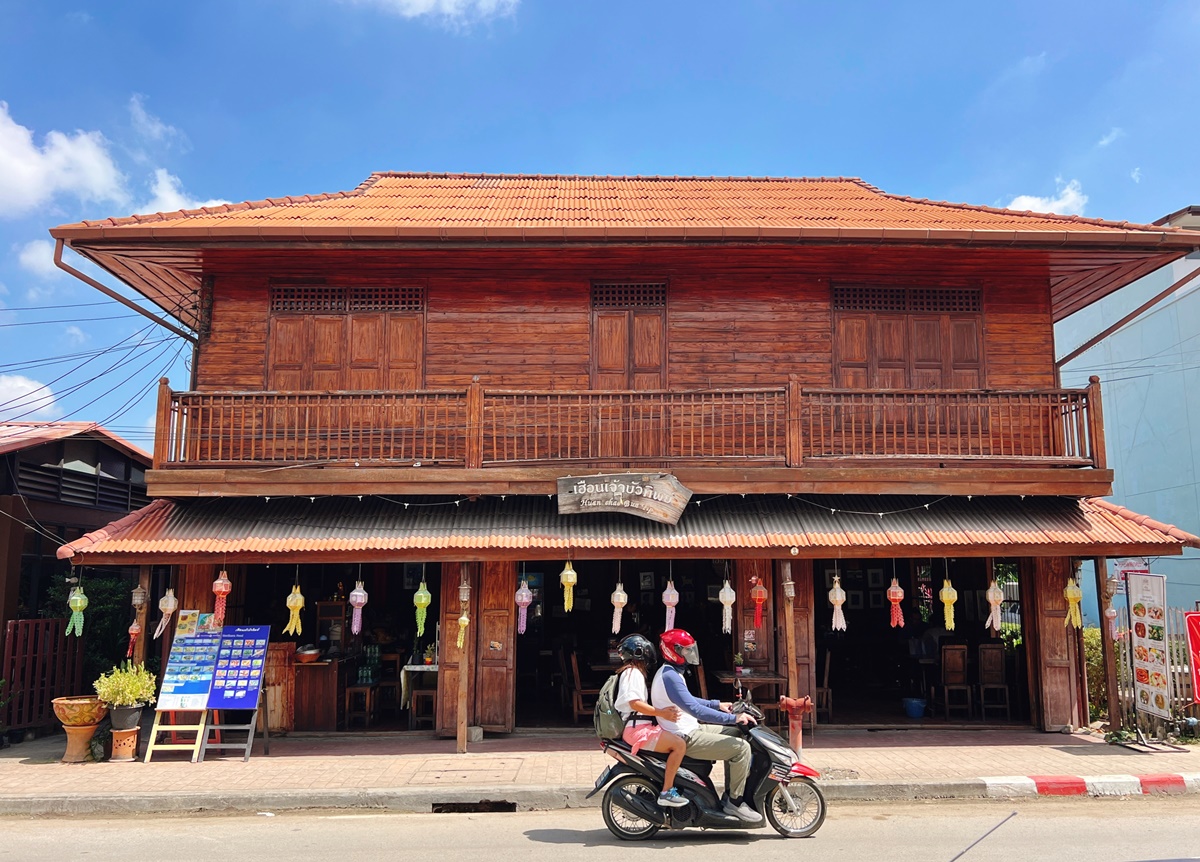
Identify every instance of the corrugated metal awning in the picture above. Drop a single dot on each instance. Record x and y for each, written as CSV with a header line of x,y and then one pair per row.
x,y
338,529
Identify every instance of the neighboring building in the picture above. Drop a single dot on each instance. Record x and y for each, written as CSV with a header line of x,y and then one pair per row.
x,y
58,480
1150,372
391,382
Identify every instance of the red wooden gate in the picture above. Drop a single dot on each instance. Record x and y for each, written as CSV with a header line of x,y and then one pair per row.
x,y
40,663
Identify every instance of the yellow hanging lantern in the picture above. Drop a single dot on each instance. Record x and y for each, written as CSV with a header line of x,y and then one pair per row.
x,y
949,596
619,600
422,599
994,596
295,604
727,597
1074,596
837,598
568,579
463,622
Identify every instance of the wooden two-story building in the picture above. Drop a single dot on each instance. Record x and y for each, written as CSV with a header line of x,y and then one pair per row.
x,y
390,382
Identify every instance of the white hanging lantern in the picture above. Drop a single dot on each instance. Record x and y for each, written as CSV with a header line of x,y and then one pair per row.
x,y
358,600
837,598
670,598
619,600
168,604
994,596
727,597
1110,614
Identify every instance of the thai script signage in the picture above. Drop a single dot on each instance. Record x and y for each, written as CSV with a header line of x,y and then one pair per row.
x,y
1147,596
655,496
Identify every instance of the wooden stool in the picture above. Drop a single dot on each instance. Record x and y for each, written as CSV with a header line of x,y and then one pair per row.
x,y
422,707
389,683
365,707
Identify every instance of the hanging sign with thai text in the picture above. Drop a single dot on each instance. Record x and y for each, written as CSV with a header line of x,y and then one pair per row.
x,y
655,496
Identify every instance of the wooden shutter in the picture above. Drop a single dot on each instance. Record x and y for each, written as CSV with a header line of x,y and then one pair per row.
x,y
366,347
329,353
286,350
610,350
405,352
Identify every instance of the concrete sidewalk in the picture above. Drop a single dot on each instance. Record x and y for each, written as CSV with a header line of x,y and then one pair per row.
x,y
415,771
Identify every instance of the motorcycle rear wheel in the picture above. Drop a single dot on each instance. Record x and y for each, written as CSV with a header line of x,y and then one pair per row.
x,y
621,823
809,813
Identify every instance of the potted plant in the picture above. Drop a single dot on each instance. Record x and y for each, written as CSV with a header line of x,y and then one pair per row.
x,y
737,664
430,652
126,689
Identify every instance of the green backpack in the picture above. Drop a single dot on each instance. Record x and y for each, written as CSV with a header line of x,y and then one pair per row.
x,y
609,724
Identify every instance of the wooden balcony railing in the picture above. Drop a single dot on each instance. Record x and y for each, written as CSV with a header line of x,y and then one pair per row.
x,y
479,427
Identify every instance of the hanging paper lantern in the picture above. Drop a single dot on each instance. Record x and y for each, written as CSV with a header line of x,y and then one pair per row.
x,y
670,598
949,596
358,599
726,597
422,599
837,598
759,594
221,588
78,603
134,631
1110,614
524,600
295,604
168,604
619,600
138,597
994,596
895,595
463,621
1074,596
568,579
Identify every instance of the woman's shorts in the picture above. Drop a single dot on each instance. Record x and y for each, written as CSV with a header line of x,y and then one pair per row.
x,y
639,735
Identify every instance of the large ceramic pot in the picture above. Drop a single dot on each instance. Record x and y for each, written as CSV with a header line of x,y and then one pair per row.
x,y
79,711
125,717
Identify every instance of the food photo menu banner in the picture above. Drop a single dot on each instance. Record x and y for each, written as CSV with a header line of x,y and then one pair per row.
x,y
241,665
214,668
1147,596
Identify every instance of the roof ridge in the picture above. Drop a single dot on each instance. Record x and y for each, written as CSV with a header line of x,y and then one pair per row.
x,y
1146,521
450,175
147,218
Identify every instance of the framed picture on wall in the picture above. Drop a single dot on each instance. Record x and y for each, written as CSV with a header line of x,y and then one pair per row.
x,y
877,599
854,600
875,579
646,580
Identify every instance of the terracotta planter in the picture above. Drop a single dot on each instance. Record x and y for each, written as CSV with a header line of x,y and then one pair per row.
x,y
125,717
79,711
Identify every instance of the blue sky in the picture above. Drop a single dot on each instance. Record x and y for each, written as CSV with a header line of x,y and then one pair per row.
x,y
119,107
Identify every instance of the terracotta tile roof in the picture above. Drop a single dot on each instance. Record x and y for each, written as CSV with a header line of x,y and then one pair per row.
x,y
16,436
241,529
391,205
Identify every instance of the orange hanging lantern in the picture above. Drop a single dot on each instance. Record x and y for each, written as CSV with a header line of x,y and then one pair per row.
x,y
134,631
1074,596
221,588
758,593
837,598
994,596
727,597
524,600
670,598
949,596
895,595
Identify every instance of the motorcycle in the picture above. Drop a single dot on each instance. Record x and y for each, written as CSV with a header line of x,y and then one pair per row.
x,y
779,786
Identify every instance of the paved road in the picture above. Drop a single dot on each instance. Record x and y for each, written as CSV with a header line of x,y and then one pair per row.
x,y
1099,830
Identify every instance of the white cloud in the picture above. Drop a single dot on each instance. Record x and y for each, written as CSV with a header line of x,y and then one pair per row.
x,y
26,399
1136,175
146,124
167,195
1111,136
37,257
453,10
76,336
1070,200
30,176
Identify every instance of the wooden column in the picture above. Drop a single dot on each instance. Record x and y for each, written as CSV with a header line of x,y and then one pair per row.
x,y
474,455
139,649
12,541
1104,602
162,425
1056,653
1096,424
789,629
464,676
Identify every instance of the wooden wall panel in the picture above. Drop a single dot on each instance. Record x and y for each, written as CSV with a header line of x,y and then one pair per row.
x,y
763,655
1018,336
233,356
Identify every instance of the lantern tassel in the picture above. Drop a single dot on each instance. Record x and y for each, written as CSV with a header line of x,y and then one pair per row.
x,y
897,616
568,597
463,621
219,611
162,626
758,615
522,619
1074,596
134,631
839,619
727,620
949,596
617,620
356,621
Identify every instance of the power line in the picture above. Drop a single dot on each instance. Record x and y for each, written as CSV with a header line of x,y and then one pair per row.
x,y
70,320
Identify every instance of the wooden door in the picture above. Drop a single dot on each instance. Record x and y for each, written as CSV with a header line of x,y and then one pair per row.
x,y
802,612
450,656
1054,653
495,672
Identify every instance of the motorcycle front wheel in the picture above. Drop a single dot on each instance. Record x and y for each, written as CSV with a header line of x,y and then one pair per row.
x,y
808,815
624,824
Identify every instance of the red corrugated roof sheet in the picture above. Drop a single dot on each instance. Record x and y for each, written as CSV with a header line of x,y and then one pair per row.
x,y
823,526
16,436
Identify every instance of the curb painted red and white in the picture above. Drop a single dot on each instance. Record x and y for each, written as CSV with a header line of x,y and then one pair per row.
x,y
1007,786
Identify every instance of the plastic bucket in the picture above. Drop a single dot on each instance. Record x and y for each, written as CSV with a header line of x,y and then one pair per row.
x,y
914,707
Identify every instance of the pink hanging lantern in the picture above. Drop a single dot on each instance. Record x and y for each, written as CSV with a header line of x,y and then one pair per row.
x,y
134,631
619,600
221,588
524,600
727,597
837,598
758,593
895,595
358,600
994,596
670,598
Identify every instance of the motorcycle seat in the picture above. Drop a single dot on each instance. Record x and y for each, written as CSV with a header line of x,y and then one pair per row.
x,y
700,767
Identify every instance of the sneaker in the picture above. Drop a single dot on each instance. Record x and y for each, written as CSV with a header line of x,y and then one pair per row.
x,y
671,799
742,812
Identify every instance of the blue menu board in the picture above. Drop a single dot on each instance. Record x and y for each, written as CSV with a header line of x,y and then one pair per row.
x,y
241,663
191,665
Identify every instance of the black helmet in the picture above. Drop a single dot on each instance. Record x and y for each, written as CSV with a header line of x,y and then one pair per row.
x,y
636,648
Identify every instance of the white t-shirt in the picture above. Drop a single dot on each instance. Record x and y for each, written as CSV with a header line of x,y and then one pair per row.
x,y
630,687
659,700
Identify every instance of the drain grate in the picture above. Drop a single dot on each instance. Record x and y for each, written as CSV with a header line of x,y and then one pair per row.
x,y
483,806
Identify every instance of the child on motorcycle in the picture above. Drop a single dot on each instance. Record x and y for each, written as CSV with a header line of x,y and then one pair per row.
x,y
641,730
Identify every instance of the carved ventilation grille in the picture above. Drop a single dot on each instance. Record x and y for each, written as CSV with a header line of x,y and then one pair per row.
x,y
925,300
629,295
322,299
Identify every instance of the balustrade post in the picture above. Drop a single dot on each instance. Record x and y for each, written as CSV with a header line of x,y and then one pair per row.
x,y
162,424
1096,424
794,438
474,425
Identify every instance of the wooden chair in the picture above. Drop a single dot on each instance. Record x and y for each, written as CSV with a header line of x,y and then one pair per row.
x,y
954,691
360,703
993,687
389,683
583,700
701,681
422,707
823,702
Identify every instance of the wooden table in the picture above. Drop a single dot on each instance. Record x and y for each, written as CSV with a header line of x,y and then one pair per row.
x,y
751,680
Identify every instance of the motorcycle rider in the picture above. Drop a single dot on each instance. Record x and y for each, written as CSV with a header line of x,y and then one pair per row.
x,y
708,727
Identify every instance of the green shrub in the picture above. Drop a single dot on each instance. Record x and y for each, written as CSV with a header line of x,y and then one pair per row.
x,y
1097,681
126,685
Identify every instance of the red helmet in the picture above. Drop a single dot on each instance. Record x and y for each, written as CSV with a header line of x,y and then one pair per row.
x,y
679,647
